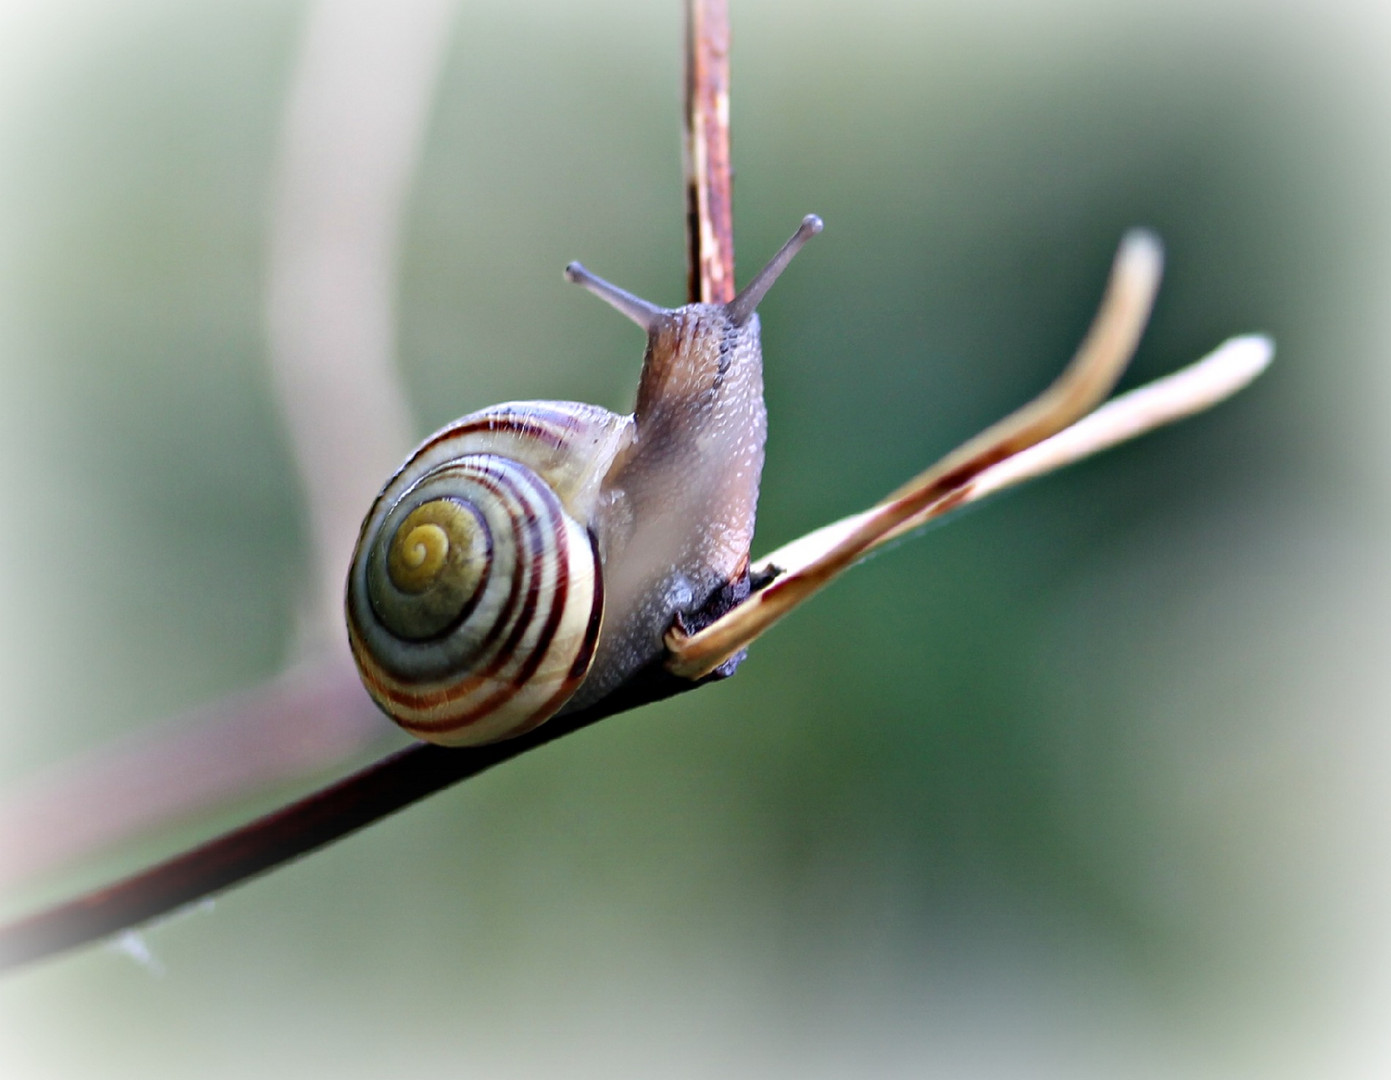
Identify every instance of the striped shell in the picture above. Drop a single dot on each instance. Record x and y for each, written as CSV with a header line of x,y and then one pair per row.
x,y
475,595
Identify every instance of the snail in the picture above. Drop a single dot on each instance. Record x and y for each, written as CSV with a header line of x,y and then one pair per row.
x,y
531,557
534,555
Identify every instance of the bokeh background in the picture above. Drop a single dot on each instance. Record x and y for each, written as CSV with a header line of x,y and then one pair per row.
x,y
1092,782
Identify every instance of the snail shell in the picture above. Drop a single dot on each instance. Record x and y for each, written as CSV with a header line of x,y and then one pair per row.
x,y
475,598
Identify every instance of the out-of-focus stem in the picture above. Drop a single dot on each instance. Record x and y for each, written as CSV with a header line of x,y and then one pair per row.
x,y
348,151
314,715
350,143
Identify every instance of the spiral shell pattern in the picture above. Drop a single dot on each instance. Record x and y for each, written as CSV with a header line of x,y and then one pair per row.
x,y
474,599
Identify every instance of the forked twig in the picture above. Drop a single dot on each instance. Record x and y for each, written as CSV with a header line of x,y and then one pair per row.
x,y
805,566
1099,362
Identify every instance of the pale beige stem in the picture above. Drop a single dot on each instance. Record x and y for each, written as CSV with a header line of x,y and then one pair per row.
x,y
1199,386
1098,363
1190,390
354,126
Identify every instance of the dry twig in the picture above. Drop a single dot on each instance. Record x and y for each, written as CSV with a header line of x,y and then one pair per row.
x,y
709,179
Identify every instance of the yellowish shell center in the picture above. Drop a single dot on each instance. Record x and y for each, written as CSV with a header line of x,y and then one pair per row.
x,y
418,558
437,538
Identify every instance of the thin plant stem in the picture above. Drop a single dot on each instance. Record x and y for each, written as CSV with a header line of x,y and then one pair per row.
x,y
709,180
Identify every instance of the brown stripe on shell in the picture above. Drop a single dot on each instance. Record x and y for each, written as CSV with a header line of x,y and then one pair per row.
x,y
550,426
392,686
583,659
539,553
524,425
500,488
559,591
522,667
472,602
578,670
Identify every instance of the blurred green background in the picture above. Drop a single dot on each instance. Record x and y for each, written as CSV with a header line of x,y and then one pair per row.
x,y
1091,782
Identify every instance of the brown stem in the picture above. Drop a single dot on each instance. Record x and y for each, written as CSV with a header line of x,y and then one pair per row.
x,y
709,190
313,717
301,827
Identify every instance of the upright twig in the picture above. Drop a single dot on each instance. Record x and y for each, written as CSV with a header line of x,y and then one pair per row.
x,y
709,182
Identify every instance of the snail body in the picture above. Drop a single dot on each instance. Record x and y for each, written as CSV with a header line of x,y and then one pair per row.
x,y
530,557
